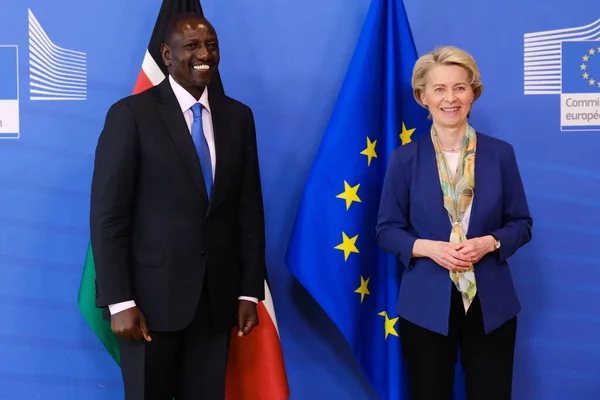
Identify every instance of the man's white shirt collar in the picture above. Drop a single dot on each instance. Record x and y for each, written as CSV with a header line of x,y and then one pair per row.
x,y
185,99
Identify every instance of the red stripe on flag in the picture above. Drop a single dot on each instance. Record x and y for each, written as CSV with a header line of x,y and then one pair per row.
x,y
255,368
142,83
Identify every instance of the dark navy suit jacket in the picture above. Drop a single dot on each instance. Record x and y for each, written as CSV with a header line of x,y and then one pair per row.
x,y
412,208
156,235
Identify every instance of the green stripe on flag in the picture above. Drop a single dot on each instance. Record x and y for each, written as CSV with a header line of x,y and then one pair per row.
x,y
86,300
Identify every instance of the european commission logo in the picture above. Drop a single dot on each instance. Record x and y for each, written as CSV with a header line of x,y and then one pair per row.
x,y
55,73
567,62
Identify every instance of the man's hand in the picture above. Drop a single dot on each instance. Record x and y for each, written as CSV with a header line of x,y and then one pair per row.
x,y
130,324
474,249
247,317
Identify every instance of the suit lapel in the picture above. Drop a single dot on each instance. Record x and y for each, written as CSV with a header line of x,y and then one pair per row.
x,y
222,138
431,186
482,180
172,117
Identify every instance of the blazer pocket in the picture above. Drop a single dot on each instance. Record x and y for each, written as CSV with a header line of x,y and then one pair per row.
x,y
148,257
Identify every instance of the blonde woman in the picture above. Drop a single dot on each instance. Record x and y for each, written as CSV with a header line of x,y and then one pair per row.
x,y
453,209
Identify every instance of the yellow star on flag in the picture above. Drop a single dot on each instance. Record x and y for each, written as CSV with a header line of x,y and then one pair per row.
x,y
370,150
583,67
598,84
406,134
592,51
349,194
592,81
363,289
348,245
389,325
585,58
586,75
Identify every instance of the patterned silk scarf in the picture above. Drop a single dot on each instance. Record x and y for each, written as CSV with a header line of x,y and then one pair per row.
x,y
458,195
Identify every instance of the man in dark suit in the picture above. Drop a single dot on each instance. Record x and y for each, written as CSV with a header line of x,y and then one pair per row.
x,y
180,260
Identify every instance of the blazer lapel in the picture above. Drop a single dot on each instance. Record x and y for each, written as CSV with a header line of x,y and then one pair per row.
x,y
432,191
172,117
482,180
222,138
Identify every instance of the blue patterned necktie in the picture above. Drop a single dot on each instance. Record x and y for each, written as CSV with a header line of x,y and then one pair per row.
x,y
202,147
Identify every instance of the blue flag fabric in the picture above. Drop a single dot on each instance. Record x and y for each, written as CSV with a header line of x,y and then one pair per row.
x,y
333,249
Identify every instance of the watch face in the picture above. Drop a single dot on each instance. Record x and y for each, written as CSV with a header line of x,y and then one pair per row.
x,y
497,244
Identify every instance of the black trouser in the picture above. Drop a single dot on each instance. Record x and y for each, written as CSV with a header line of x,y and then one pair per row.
x,y
185,365
487,359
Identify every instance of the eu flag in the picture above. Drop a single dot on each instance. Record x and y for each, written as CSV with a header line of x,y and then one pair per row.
x,y
580,66
333,250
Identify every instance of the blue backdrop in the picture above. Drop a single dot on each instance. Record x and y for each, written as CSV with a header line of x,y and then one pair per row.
x,y
287,61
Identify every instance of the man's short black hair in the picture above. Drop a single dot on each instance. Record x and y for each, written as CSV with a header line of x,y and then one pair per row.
x,y
176,19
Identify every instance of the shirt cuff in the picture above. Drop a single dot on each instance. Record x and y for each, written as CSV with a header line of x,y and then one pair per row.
x,y
252,299
118,307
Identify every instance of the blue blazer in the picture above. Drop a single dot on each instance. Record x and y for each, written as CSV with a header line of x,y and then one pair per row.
x,y
412,208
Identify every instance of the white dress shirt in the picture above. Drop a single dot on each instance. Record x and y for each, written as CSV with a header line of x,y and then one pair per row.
x,y
186,101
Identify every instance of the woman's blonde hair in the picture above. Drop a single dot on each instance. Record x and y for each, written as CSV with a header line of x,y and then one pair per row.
x,y
446,55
